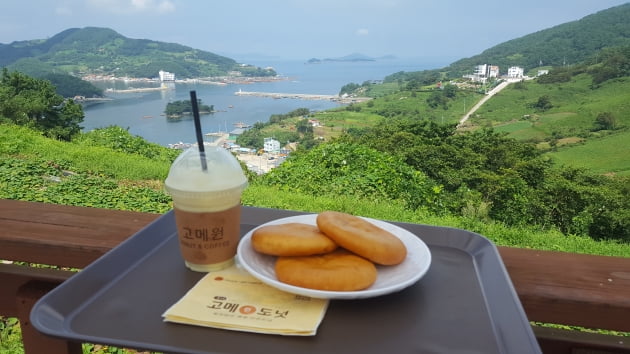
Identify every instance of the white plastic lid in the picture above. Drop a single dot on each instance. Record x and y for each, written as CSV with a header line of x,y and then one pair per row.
x,y
223,174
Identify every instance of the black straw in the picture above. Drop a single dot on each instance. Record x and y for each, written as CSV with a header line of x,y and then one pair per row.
x,y
195,108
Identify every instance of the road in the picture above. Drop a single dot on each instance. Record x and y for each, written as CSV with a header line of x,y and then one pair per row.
x,y
490,93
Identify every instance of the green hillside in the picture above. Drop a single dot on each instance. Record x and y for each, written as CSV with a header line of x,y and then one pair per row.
x,y
73,53
94,170
93,50
565,44
606,155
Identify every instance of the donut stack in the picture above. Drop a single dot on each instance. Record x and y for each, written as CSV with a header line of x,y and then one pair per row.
x,y
339,254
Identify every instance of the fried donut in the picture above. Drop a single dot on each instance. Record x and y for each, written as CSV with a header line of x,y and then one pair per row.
x,y
336,271
291,239
362,237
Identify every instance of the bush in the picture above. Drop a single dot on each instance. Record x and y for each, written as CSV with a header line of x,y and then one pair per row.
x,y
354,170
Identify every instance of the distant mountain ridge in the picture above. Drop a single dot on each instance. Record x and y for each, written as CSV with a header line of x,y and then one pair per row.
x,y
354,57
94,50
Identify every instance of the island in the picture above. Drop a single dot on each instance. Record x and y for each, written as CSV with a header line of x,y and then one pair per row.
x,y
178,109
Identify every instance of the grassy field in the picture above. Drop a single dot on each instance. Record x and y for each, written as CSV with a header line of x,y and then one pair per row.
x,y
575,106
569,123
609,154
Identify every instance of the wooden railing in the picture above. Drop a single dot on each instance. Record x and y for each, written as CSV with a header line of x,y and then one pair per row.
x,y
554,287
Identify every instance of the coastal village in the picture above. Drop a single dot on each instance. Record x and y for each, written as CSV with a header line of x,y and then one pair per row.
x,y
258,161
272,154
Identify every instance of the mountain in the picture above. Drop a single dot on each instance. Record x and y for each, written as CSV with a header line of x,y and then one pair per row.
x,y
93,50
568,43
354,57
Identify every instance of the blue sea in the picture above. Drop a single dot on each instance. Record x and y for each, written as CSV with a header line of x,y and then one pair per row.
x,y
142,113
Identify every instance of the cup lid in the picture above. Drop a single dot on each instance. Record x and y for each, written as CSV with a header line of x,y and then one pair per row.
x,y
223,171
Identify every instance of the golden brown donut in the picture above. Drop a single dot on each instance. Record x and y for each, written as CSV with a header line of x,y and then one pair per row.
x,y
291,239
362,237
336,271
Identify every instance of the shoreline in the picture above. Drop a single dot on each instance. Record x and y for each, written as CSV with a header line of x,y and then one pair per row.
x,y
218,80
303,96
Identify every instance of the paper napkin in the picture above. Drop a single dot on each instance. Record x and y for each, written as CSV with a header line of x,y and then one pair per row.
x,y
233,299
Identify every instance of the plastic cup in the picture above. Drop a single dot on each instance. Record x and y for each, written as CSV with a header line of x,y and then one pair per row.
x,y
207,206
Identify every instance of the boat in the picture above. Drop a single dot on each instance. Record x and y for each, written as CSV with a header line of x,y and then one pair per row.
x,y
241,125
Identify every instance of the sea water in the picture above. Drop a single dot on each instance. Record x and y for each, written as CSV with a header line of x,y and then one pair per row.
x,y
142,113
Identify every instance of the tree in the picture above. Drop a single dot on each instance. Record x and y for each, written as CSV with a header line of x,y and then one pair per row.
x,y
605,121
542,104
437,99
179,108
354,170
303,126
450,91
33,102
349,88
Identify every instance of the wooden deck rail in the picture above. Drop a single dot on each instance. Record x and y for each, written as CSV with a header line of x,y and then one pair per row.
x,y
554,287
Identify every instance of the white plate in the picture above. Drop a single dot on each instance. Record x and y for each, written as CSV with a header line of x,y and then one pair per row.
x,y
390,278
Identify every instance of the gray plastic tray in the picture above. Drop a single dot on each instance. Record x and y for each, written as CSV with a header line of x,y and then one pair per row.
x,y
464,304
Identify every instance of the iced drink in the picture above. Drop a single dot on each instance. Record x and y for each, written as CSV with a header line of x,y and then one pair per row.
x,y
207,205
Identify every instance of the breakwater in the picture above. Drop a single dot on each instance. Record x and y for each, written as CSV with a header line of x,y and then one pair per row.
x,y
303,96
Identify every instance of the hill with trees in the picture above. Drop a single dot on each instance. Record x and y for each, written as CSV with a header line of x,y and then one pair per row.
x,y
34,103
76,52
565,44
94,50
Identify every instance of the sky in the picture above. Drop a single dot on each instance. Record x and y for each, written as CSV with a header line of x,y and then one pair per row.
x,y
303,29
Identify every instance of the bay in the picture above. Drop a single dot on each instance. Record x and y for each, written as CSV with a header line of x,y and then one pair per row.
x,y
142,112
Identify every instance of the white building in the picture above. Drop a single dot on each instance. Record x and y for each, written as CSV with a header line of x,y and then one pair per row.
x,y
166,76
483,72
271,145
515,72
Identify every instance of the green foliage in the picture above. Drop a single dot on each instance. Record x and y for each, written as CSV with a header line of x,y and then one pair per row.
x,y
278,118
575,107
254,71
104,51
605,121
82,156
10,336
438,99
184,107
348,169
608,154
416,79
543,103
611,63
487,174
49,182
349,88
276,127
568,43
34,103
556,75
70,86
119,139
66,85
525,236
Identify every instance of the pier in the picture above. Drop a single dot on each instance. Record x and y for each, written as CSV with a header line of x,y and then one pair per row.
x,y
303,96
141,89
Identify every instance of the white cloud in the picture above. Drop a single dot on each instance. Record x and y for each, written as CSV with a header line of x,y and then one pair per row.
x,y
362,32
133,6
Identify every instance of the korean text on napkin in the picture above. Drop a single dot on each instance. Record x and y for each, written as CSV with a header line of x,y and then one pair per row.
x,y
233,299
